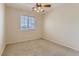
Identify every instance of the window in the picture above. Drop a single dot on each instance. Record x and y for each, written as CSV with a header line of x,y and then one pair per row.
x,y
27,23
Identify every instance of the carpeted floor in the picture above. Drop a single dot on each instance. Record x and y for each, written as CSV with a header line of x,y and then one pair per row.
x,y
38,47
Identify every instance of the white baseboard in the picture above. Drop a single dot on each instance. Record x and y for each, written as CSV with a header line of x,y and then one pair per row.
x,y
21,41
61,44
2,51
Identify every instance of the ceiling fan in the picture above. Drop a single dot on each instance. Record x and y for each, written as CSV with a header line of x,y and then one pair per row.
x,y
39,7
43,5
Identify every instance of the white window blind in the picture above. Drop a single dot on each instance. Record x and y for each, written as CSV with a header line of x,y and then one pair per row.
x,y
27,23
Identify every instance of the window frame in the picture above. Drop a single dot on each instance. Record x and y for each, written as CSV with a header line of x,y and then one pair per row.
x,y
28,27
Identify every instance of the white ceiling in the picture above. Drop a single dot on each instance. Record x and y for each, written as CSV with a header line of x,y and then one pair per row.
x,y
28,6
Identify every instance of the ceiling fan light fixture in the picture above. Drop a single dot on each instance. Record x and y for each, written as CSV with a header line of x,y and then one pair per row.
x,y
42,10
34,9
38,11
40,7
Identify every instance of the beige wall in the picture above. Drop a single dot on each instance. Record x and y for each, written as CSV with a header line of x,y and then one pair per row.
x,y
62,26
2,17
13,32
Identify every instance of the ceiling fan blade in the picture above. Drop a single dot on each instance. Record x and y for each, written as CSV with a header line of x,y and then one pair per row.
x,y
46,5
42,5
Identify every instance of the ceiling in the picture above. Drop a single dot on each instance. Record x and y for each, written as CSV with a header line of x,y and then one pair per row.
x,y
28,6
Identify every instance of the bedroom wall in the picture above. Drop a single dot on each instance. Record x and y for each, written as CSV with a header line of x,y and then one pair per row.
x,y
62,26
2,18
13,32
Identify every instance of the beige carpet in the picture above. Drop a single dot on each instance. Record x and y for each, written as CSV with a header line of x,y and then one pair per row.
x,y
38,47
